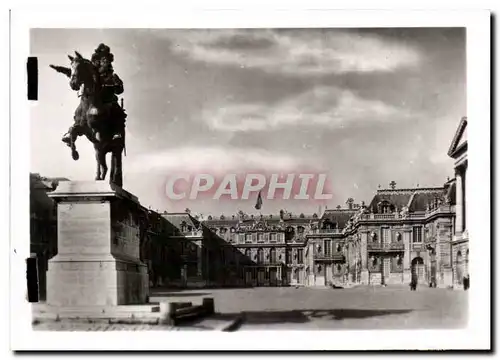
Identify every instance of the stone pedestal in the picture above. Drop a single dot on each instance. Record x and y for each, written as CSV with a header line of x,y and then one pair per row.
x,y
98,261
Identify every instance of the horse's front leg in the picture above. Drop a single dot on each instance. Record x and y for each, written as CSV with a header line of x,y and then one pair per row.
x,y
98,163
102,162
73,136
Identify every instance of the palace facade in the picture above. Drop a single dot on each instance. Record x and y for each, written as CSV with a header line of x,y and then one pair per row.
x,y
400,233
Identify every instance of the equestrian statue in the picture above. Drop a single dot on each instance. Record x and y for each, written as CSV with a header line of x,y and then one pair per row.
x,y
98,116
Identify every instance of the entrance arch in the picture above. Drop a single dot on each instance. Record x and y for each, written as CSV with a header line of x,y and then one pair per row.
x,y
418,269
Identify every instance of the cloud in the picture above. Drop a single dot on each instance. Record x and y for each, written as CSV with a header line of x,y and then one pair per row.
x,y
324,106
295,52
214,159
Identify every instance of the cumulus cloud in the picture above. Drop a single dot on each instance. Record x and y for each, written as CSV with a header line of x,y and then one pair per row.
x,y
299,52
214,159
325,106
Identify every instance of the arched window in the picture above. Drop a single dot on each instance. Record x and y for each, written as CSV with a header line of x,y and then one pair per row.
x,y
260,255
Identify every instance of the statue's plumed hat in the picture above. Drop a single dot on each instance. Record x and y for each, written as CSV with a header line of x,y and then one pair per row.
x,y
102,51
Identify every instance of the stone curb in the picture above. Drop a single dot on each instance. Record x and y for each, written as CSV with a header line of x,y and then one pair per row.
x,y
232,326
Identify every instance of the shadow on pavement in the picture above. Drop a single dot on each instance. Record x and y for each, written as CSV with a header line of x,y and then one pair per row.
x,y
178,294
303,316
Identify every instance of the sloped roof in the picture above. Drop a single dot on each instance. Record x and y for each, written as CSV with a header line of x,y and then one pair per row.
x,y
416,199
177,219
397,197
422,198
271,218
460,137
338,216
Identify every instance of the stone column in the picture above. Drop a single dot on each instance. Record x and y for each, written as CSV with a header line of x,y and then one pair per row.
x,y
407,255
459,208
365,277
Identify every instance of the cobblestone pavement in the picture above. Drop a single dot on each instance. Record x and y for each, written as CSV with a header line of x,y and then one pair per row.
x,y
308,308
392,307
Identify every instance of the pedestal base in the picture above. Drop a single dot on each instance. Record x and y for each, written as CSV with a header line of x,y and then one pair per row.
x,y
92,281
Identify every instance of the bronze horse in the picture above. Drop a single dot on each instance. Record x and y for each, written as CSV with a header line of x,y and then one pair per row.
x,y
93,119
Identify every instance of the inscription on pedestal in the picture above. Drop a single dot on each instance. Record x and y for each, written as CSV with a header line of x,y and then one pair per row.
x,y
83,227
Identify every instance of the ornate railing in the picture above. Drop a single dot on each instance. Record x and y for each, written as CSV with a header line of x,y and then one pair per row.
x,y
440,209
395,246
192,233
325,231
329,257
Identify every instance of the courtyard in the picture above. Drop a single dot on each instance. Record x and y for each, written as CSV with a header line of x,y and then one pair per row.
x,y
364,307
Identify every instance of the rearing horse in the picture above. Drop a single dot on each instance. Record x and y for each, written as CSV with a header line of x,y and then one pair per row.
x,y
93,119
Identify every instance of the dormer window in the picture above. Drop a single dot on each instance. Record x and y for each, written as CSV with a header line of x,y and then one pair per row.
x,y
385,207
183,226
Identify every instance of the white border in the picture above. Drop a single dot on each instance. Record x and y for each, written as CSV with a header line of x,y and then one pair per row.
x,y
476,336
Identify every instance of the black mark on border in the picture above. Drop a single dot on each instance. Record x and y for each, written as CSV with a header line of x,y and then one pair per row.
x,y
32,68
32,279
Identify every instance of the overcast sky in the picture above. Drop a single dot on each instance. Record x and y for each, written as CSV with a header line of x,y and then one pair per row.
x,y
364,106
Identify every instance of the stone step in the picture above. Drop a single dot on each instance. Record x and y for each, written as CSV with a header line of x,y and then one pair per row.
x,y
152,307
149,312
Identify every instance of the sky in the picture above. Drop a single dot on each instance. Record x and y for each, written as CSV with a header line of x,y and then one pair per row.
x,y
364,106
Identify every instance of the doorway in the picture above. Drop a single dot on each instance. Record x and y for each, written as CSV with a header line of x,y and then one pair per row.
x,y
418,269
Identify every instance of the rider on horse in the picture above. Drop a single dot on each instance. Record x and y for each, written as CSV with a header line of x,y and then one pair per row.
x,y
111,85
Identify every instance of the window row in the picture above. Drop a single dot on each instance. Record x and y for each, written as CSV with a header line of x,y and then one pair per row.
x,y
271,256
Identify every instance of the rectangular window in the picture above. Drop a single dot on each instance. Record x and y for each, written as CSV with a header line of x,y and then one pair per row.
x,y
328,247
386,236
248,238
417,234
288,256
300,256
260,237
273,237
